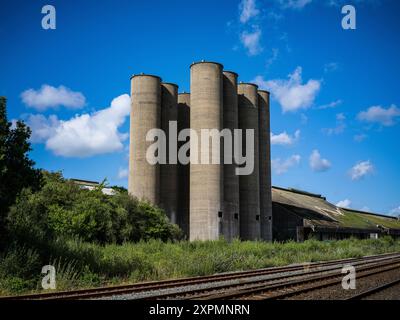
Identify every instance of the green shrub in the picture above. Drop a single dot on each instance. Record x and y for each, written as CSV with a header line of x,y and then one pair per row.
x,y
62,209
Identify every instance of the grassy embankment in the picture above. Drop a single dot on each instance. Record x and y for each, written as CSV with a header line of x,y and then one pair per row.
x,y
82,264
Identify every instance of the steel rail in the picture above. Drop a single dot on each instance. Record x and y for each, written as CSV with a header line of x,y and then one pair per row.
x,y
274,292
373,291
205,293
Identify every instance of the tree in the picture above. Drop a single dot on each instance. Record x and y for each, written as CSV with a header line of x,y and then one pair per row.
x,y
16,169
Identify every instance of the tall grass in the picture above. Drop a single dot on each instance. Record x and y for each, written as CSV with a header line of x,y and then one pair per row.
x,y
82,264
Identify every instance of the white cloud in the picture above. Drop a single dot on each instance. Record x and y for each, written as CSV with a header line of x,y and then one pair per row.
x,y
50,97
340,125
84,135
248,10
360,137
333,104
272,59
284,138
42,128
304,118
344,203
294,4
340,117
361,169
123,173
291,94
251,41
385,117
317,163
281,166
330,67
395,212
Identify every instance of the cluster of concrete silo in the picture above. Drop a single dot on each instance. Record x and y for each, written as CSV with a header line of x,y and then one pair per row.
x,y
206,200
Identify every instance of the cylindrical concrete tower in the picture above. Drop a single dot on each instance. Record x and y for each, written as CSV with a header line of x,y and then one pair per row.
x,y
169,171
265,165
144,177
183,169
206,180
249,185
230,217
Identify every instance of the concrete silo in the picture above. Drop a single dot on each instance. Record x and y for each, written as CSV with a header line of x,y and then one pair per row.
x,y
144,177
206,180
169,171
249,185
265,165
230,222
183,169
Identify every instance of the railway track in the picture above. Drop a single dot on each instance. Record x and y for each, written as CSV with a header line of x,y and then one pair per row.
x,y
373,291
289,288
243,278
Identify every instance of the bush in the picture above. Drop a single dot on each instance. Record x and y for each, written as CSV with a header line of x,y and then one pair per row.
x,y
62,209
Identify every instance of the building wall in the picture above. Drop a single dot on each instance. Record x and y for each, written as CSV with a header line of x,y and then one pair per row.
x,y
183,169
169,171
206,180
265,165
230,217
249,185
144,178
285,224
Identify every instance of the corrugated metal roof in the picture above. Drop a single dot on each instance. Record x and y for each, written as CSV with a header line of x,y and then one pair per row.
x,y
318,212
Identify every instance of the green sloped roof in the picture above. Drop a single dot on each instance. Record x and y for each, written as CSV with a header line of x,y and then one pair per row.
x,y
319,212
366,220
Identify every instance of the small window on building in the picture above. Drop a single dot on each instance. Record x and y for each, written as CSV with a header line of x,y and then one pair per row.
x,y
236,216
269,218
258,217
219,214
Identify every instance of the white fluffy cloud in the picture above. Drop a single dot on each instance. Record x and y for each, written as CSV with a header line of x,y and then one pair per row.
x,y
123,173
377,114
251,41
248,9
284,138
361,169
291,94
344,203
84,135
294,4
50,97
281,166
42,128
317,163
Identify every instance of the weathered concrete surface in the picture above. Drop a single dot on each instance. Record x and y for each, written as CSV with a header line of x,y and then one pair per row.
x,y
144,178
206,180
230,224
169,171
249,185
265,165
183,169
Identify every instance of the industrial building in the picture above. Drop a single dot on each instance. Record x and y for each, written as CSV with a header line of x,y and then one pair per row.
x,y
300,215
206,200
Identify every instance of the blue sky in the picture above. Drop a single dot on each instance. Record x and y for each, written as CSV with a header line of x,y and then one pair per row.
x,y
335,108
